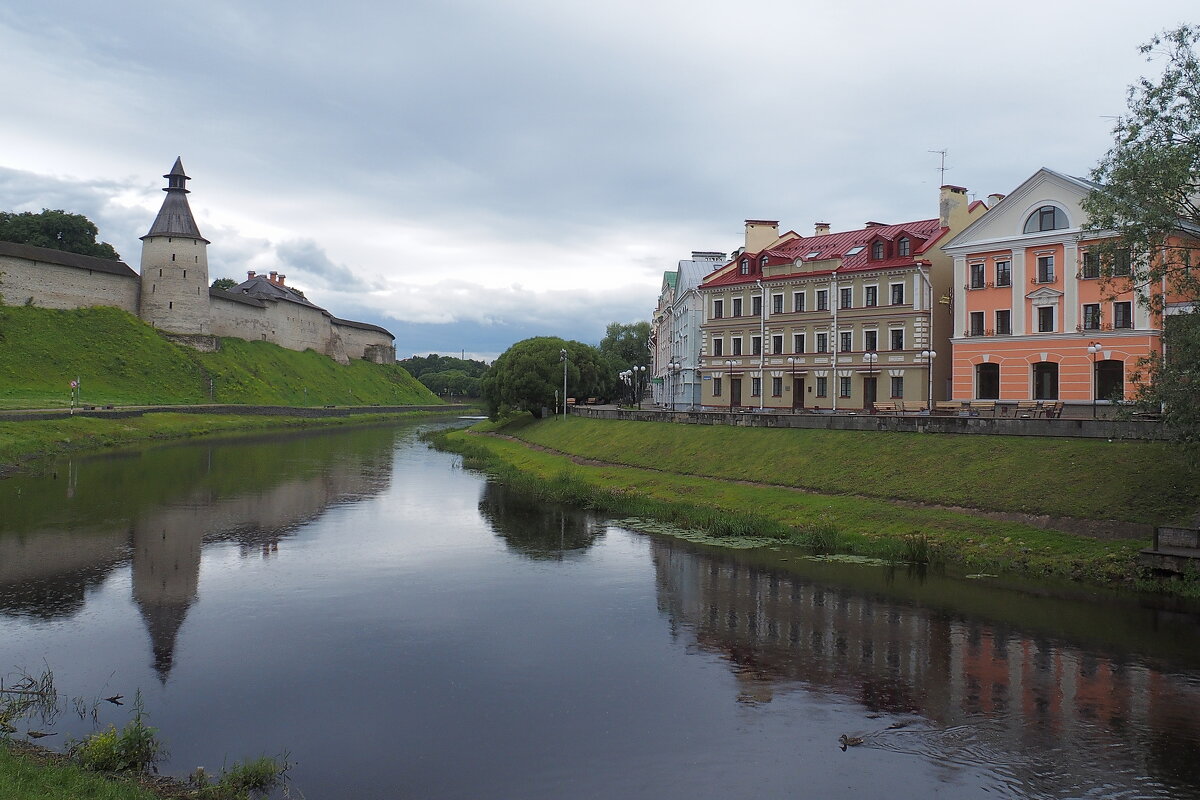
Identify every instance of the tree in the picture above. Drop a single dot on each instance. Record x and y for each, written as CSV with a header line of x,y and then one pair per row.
x,y
420,365
224,283
526,375
58,230
629,344
1148,198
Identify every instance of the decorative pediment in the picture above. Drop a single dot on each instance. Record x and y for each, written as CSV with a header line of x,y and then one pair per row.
x,y
1006,220
1044,296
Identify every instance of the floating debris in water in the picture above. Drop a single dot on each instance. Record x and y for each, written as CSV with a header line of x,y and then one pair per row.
x,y
981,575
843,558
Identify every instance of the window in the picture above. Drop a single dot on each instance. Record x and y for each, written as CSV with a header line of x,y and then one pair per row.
x,y
737,306
872,296
172,256
1122,263
776,387
160,273
736,343
987,381
756,345
822,387
870,340
744,267
822,343
903,247
822,299
1004,273
717,386
776,304
1091,265
717,347
718,309
897,338
1123,315
1045,380
1045,315
797,342
976,276
777,344
897,387
844,386
185,273
762,261
1045,269
756,305
1091,316
877,251
1046,218
846,298
755,387
853,251
1004,323
797,301
897,294
976,324
845,341
1110,380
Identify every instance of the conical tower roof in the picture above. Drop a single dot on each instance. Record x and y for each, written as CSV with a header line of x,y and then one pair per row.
x,y
175,217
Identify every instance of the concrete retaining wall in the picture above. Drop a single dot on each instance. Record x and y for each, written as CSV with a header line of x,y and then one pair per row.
x,y
1081,428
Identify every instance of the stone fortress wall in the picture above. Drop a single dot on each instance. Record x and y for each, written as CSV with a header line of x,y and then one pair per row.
x,y
172,291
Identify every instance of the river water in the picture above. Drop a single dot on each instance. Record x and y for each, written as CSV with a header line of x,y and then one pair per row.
x,y
402,627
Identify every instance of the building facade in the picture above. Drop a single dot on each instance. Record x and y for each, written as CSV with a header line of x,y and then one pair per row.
x,y
675,332
832,321
1034,317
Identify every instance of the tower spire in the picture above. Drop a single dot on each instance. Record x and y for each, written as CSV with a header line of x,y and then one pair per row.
x,y
175,217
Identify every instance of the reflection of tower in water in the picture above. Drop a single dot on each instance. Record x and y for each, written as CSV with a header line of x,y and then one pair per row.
x,y
166,576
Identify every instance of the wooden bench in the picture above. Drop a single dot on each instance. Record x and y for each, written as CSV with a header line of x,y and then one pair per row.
x,y
591,401
886,408
948,407
1054,410
980,406
570,401
1028,408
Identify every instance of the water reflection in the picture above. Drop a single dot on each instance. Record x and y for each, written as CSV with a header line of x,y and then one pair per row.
x,y
64,531
1054,713
537,530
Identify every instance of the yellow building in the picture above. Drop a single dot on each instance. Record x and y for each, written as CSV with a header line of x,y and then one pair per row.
x,y
833,321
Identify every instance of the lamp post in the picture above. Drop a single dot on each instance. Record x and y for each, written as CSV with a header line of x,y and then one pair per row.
x,y
929,356
639,373
1094,348
562,356
870,357
729,362
673,369
792,360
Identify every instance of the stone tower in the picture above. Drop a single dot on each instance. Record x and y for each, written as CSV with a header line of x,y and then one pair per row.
x,y
174,294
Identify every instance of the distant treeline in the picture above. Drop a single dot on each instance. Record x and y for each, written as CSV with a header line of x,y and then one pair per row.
x,y
446,375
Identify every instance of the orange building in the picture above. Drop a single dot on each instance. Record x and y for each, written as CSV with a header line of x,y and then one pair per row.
x,y
1033,317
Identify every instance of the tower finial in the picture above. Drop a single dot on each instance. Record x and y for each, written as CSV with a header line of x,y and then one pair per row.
x,y
176,178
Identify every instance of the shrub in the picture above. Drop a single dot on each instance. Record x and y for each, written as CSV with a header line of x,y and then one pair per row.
x,y
134,748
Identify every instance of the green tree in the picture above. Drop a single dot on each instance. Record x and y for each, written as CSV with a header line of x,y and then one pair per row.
x,y
420,365
526,375
452,381
224,283
58,230
628,344
1148,198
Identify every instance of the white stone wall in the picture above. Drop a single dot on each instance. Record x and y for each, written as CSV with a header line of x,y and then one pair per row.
x,y
175,284
240,321
57,286
357,340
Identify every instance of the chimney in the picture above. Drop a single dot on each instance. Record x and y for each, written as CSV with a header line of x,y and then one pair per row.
x,y
873,224
820,228
761,234
281,277
952,207
249,274
273,277
993,199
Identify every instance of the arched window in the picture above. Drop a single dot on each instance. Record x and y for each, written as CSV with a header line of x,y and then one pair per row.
x,y
1046,218
1045,380
762,261
745,266
987,381
1110,380
877,251
903,247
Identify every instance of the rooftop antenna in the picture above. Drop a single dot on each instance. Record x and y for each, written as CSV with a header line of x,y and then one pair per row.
x,y
942,169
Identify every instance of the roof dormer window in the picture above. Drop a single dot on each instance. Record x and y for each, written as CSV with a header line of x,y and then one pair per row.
x,y
853,251
903,247
1046,218
744,267
877,251
762,261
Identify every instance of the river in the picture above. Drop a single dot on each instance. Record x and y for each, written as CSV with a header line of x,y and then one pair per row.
x,y
402,627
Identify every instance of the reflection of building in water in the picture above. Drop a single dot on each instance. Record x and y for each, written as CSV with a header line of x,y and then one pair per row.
x,y
47,569
784,631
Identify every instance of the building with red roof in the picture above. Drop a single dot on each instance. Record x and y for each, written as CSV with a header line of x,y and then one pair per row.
x,y
833,321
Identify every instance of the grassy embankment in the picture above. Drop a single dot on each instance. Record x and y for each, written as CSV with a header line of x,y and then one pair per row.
x,y
120,360
858,492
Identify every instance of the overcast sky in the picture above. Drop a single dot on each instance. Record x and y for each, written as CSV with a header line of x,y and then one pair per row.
x,y
469,173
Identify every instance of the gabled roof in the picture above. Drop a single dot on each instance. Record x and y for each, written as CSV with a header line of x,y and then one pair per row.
x,y
260,287
62,258
175,217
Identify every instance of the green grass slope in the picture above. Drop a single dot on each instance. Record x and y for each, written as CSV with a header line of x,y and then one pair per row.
x,y
119,360
1146,482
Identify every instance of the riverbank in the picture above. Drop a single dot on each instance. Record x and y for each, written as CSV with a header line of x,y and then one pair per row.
x,y
22,440
978,504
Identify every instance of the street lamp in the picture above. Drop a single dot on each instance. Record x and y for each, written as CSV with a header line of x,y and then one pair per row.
x,y
673,369
1094,348
929,356
792,360
870,357
639,372
562,356
729,363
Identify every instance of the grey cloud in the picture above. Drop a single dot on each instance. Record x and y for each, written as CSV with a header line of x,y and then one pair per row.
x,y
307,258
